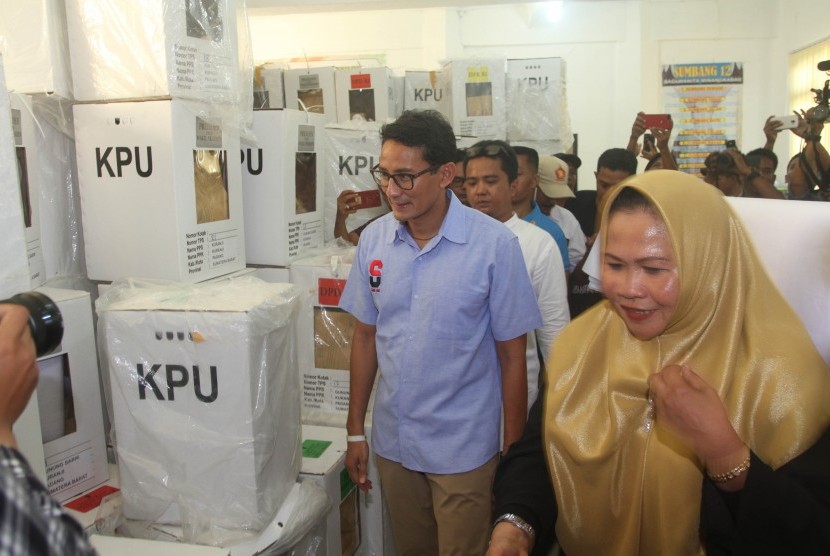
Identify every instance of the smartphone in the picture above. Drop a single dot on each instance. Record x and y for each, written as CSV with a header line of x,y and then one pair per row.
x,y
662,121
730,144
648,142
369,199
787,122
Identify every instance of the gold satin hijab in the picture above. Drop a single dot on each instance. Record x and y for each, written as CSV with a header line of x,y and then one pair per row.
x,y
624,485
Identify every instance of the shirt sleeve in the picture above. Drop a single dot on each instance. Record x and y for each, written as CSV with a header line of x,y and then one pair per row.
x,y
552,295
356,298
783,511
31,521
514,310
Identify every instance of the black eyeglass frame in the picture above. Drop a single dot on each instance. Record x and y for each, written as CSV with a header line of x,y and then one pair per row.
x,y
378,176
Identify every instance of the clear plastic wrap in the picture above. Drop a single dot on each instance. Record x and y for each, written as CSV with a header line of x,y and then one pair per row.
x,y
537,104
193,49
204,390
14,273
324,331
474,97
34,41
352,148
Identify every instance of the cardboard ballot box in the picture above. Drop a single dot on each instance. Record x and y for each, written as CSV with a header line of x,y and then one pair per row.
x,y
269,92
369,93
25,132
14,272
282,182
205,397
474,97
324,331
35,40
160,192
311,89
422,90
537,104
324,452
154,48
62,430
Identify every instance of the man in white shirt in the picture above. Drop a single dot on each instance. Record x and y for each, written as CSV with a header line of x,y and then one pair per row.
x,y
491,169
553,183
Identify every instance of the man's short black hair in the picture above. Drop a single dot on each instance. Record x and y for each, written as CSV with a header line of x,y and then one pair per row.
x,y
428,130
531,154
460,154
754,156
618,159
498,150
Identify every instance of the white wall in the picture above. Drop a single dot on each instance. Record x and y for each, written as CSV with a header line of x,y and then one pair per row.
x,y
614,50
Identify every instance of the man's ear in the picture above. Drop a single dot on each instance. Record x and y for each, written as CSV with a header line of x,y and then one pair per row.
x,y
447,172
537,179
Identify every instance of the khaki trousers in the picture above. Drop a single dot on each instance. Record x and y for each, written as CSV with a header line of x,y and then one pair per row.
x,y
446,515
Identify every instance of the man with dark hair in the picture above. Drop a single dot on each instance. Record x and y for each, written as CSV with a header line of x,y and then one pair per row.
x,y
613,166
524,189
443,304
490,190
457,184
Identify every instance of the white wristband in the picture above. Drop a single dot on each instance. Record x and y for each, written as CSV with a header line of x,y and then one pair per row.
x,y
356,438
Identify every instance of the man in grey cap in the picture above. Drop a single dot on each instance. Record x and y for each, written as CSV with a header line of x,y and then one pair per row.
x,y
573,162
553,185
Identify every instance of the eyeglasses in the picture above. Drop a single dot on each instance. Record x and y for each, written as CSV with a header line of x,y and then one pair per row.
x,y
405,181
493,149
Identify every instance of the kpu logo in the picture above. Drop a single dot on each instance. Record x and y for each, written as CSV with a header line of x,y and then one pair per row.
x,y
176,376
374,275
351,165
254,165
428,95
124,157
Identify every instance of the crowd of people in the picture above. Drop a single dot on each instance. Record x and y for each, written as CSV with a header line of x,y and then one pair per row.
x,y
685,410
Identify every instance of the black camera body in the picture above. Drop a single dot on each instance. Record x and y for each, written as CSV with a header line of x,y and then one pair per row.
x,y
725,163
45,320
821,113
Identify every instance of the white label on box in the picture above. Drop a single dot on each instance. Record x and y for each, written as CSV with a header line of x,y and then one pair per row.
x,y
223,247
69,469
305,139
327,390
310,81
208,136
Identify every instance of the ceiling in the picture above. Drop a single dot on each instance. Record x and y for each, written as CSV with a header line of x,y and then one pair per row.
x,y
262,7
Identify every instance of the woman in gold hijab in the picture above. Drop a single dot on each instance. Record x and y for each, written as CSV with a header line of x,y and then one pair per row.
x,y
688,412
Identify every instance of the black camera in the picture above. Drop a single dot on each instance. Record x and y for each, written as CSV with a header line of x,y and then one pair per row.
x,y
821,113
45,320
724,163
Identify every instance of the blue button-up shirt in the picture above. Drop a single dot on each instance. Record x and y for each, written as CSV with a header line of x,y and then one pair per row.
x,y
438,312
536,216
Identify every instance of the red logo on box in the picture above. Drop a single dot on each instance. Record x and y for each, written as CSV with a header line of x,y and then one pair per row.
x,y
361,81
329,291
90,500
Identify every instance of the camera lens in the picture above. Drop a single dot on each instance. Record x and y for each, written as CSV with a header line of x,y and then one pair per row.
x,y
45,320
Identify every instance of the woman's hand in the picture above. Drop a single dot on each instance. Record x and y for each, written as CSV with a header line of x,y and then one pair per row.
x,y
691,409
347,203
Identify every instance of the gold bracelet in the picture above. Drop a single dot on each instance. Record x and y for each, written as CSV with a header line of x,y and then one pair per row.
x,y
736,471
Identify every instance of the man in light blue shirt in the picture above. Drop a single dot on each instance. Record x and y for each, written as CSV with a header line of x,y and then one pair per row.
x,y
443,302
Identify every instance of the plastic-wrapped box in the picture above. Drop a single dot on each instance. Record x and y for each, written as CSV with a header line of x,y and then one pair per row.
x,y
368,93
205,400
311,89
160,192
25,133
33,37
156,48
14,272
269,92
324,331
474,97
282,180
422,90
70,418
537,105
353,149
